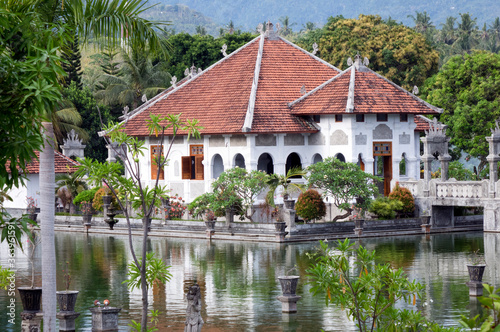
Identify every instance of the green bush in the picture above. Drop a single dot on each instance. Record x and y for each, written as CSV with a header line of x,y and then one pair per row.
x,y
97,202
310,205
385,208
404,196
85,196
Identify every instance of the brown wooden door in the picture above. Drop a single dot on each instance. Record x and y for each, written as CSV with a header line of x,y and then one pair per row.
x,y
382,153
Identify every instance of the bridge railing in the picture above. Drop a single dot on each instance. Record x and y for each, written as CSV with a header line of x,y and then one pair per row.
x,y
448,189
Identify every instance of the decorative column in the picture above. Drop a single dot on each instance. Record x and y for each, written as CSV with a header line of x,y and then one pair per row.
x,y
493,158
31,321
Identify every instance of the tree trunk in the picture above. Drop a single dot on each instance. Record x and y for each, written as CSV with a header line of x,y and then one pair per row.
x,y
144,284
47,212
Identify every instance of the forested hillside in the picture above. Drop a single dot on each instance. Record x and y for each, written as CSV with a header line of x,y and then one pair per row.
x,y
247,14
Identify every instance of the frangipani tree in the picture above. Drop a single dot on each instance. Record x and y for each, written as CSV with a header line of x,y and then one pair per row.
x,y
343,182
130,187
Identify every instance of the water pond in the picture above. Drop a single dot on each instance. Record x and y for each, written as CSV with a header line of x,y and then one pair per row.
x,y
239,279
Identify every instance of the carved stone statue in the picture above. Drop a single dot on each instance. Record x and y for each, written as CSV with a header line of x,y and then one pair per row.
x,y
194,322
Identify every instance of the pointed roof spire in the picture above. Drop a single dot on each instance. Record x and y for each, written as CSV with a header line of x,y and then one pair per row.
x,y
270,33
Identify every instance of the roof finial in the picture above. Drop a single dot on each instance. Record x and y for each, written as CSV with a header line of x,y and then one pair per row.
x,y
415,90
278,27
125,111
315,48
223,50
173,82
270,33
349,61
144,98
303,90
260,28
366,62
357,60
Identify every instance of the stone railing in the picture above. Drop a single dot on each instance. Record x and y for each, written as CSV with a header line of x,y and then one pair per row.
x,y
459,189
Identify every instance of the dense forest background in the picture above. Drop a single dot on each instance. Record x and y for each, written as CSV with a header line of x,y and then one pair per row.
x,y
246,15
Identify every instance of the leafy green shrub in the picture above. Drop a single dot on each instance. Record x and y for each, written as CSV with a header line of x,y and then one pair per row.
x,y
385,208
310,205
97,202
404,196
85,196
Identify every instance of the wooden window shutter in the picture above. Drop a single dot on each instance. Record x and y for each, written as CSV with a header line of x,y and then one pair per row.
x,y
200,169
186,168
155,149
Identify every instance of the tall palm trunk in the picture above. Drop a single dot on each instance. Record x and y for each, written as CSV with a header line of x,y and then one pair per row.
x,y
47,213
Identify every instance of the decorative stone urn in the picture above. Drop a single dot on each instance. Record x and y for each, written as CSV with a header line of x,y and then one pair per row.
x,y
280,231
87,218
67,315
31,298
289,298
476,272
106,200
33,216
66,300
476,279
111,218
289,204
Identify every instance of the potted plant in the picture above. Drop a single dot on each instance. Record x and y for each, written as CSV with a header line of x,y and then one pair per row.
x,y
476,267
279,224
31,207
31,297
210,220
67,299
276,180
289,288
86,208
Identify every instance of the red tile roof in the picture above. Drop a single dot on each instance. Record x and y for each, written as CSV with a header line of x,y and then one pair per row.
x,y
373,93
422,124
219,96
62,164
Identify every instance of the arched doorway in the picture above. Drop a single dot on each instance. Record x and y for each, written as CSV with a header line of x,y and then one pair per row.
x,y
293,161
217,166
265,163
317,158
340,157
239,161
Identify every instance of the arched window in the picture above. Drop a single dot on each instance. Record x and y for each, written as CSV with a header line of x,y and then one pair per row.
x,y
217,166
317,158
340,157
402,165
265,163
239,161
293,161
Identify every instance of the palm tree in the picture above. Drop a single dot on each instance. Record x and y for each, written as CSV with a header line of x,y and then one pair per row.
x,y
308,26
58,19
286,26
276,180
140,77
66,118
467,29
448,33
200,30
422,22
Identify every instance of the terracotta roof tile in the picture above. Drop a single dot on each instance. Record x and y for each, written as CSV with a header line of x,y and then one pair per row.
x,y
62,164
372,94
219,96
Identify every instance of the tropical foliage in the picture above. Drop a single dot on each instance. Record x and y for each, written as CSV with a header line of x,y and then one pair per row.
x,y
468,90
403,195
344,183
310,205
395,51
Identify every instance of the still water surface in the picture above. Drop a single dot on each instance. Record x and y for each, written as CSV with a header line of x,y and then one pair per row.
x,y
239,280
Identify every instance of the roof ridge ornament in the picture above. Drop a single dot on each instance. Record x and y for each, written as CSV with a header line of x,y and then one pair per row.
x,y
125,111
366,62
315,48
496,130
270,33
173,81
349,61
192,72
144,98
260,28
223,50
415,90
436,129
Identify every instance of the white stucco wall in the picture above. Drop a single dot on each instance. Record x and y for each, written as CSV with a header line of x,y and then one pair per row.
x,y
18,195
339,137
